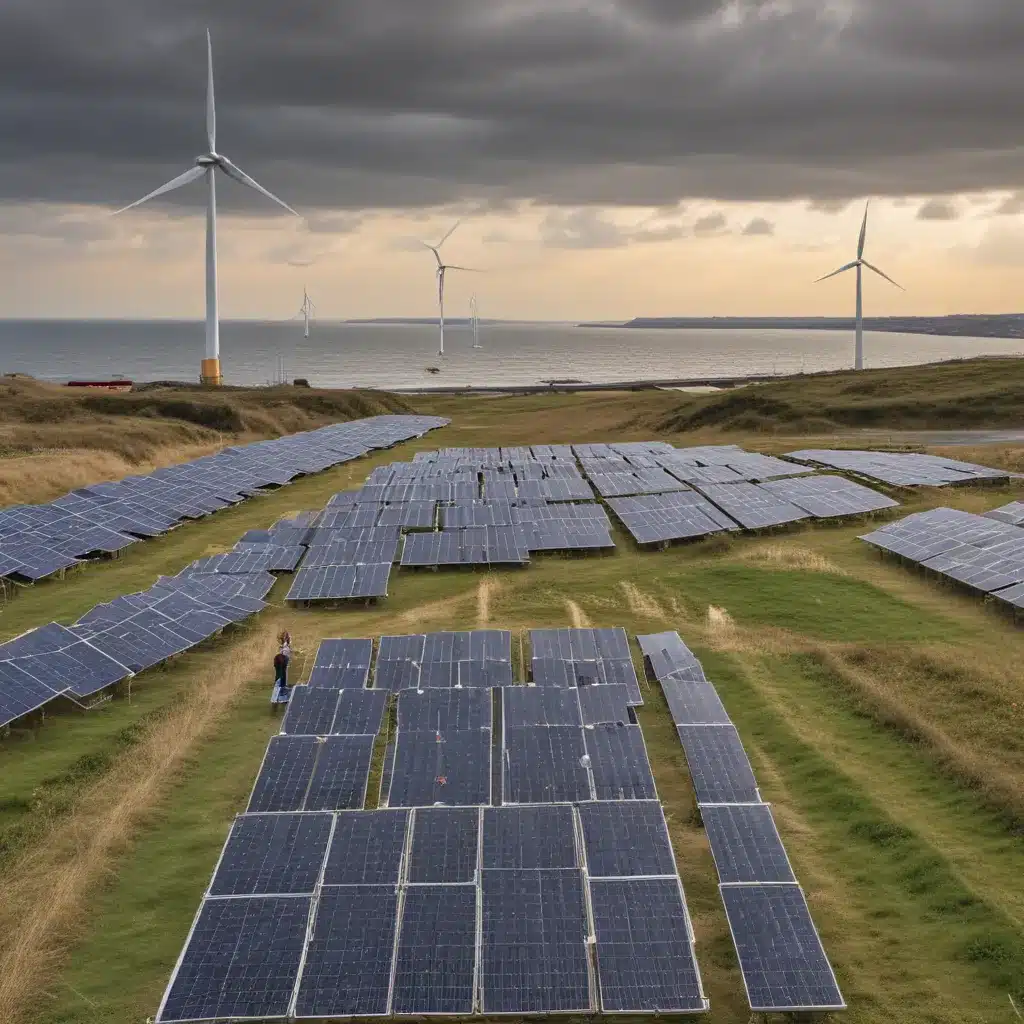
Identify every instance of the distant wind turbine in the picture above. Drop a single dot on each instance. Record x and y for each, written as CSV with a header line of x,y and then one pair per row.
x,y
474,319
859,263
306,310
206,166
442,269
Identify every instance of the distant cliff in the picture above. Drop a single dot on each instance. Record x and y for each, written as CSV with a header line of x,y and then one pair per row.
x,y
975,325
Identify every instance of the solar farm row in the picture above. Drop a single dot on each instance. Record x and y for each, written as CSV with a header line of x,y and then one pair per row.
x,y
445,901
982,552
902,469
37,541
784,964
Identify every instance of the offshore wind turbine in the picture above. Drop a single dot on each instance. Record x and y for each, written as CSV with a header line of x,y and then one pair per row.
x,y
442,269
474,320
306,310
207,166
858,264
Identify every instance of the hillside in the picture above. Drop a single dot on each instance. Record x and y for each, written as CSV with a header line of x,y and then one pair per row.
x,y
970,393
54,438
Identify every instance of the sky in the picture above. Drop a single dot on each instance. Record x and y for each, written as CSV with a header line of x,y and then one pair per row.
x,y
607,158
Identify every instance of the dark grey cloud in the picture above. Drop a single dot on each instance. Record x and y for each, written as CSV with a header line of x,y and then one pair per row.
x,y
938,209
711,224
348,104
759,226
587,228
1011,205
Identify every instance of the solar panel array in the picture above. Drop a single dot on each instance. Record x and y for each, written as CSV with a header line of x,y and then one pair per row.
x,y
784,965
440,901
583,658
985,553
902,469
39,540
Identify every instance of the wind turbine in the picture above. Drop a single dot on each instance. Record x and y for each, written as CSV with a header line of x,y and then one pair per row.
x,y
442,269
859,263
474,319
206,166
306,309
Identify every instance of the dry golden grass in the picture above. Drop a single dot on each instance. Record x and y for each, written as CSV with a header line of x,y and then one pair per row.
x,y
484,593
788,555
46,893
641,603
577,616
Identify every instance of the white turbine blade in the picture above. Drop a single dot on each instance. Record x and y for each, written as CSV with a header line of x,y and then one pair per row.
x,y
211,113
845,266
232,170
472,270
881,273
433,249
192,174
863,231
447,235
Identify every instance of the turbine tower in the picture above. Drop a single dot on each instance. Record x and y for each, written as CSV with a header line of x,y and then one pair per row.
x,y
858,264
306,310
207,166
474,319
442,269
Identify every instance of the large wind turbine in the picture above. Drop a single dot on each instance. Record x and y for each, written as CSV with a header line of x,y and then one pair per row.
x,y
306,309
442,269
474,320
858,264
206,166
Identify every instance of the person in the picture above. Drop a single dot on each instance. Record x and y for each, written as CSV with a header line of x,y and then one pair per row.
x,y
281,692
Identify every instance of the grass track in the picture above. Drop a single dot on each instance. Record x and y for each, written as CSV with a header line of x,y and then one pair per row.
x,y
913,878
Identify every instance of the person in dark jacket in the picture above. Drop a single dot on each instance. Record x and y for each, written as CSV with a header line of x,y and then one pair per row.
x,y
281,691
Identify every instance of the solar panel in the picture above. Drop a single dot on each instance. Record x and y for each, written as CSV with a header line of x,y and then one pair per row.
x,y
626,837
783,963
444,845
285,773
653,519
340,582
533,954
745,844
907,469
618,762
718,765
540,705
408,647
530,838
310,711
668,656
342,774
396,675
241,960
607,703
435,965
1012,513
544,765
453,769
20,693
828,496
272,855
366,848
645,960
360,712
751,506
443,711
347,968
694,703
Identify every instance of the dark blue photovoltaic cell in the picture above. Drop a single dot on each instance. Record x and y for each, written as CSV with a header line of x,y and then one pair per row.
x,y
347,971
544,764
434,970
360,712
335,659
241,960
444,844
626,837
607,703
529,837
272,854
342,773
694,703
718,765
540,705
745,844
618,762
533,956
310,711
645,959
783,962
366,848
396,675
453,769
20,693
284,777
444,711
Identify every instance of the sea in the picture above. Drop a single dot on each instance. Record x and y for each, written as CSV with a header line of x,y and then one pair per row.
x,y
399,355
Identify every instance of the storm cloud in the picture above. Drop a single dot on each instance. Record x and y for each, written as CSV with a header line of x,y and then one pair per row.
x,y
358,104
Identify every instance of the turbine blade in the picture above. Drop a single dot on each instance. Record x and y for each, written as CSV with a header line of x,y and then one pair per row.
x,y
433,249
447,235
192,174
472,270
881,273
863,231
211,113
232,170
845,266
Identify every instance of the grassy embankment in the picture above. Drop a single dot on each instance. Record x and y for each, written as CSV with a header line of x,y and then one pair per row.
x,y
881,713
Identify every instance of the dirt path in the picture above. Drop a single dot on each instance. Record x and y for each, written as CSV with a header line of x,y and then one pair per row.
x,y
577,616
484,592
46,893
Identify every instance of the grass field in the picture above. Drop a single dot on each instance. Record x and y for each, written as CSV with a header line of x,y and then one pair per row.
x,y
881,712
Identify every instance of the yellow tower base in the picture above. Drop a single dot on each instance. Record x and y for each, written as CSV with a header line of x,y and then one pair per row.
x,y
211,372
